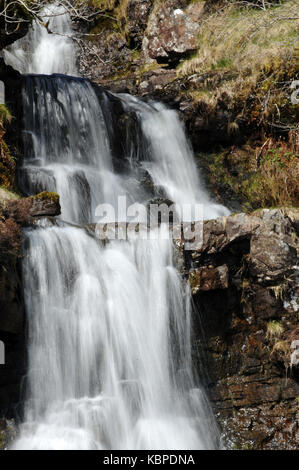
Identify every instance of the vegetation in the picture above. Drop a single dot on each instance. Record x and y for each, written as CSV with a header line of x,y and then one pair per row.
x,y
274,330
276,181
5,116
7,164
249,56
265,176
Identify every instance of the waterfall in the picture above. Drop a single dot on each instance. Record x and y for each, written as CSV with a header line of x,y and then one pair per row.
x,y
109,325
43,53
110,355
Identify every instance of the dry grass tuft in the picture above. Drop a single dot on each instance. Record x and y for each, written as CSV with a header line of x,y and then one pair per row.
x,y
274,330
241,52
243,39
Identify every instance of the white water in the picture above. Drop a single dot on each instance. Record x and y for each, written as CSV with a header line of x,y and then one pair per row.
x,y
170,160
110,363
43,53
110,354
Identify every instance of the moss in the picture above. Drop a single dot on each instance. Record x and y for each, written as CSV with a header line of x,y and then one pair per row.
x,y
46,195
102,25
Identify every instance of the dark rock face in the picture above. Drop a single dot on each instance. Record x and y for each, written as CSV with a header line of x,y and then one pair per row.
x,y
172,32
248,335
13,99
25,210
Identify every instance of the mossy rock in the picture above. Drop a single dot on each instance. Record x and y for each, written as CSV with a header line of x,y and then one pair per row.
x,y
46,195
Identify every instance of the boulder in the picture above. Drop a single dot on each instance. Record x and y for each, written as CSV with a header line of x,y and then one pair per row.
x,y
23,211
172,32
273,253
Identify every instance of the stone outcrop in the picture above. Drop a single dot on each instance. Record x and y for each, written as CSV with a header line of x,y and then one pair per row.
x,y
25,210
243,277
172,32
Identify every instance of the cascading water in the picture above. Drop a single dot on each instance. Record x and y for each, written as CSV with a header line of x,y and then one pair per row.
x,y
169,157
103,325
109,325
41,52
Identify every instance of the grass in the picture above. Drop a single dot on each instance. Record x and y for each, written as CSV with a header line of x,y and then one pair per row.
x,y
5,115
102,4
245,53
6,195
275,183
265,176
274,330
242,39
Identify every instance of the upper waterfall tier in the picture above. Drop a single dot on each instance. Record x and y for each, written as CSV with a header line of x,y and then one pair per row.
x,y
48,47
92,147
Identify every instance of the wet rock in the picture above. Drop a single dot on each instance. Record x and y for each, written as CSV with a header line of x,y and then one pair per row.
x,y
172,32
23,211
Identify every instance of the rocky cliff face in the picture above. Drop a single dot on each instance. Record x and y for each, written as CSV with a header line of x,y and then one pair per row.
x,y
244,280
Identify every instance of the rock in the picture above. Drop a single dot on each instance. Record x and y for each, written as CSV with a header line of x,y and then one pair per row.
x,y
172,32
250,324
7,433
103,56
265,228
6,71
23,211
9,32
269,306
156,81
209,278
138,12
272,251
